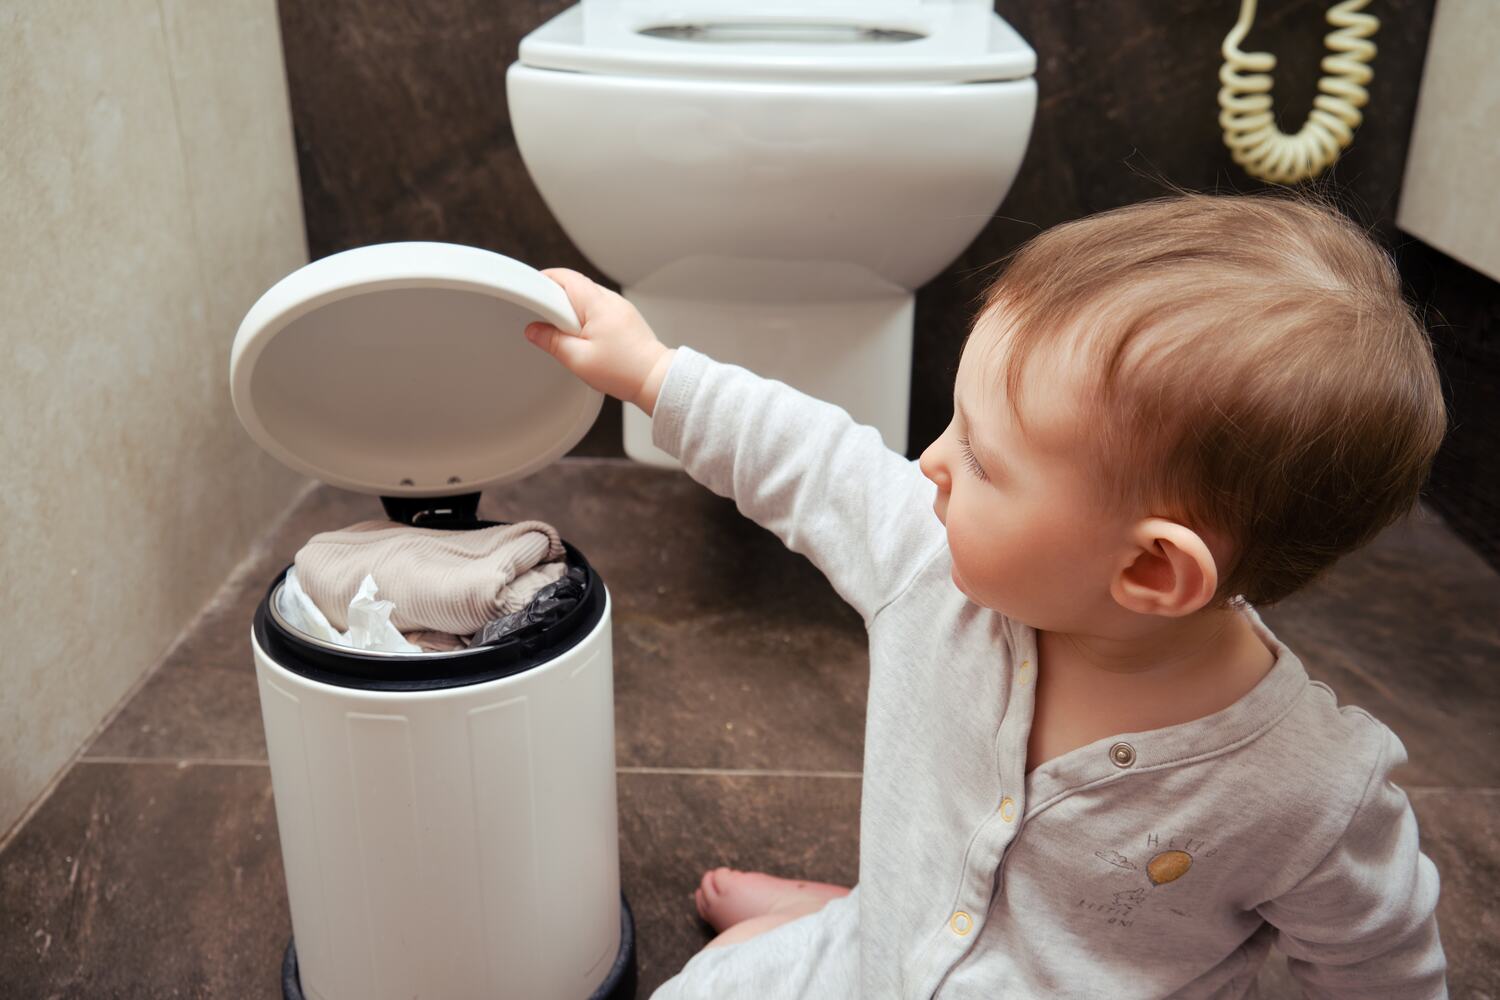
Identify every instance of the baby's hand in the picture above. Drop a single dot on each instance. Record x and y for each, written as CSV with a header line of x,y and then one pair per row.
x,y
614,351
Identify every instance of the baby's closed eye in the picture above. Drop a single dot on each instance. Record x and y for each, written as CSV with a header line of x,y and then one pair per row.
x,y
970,460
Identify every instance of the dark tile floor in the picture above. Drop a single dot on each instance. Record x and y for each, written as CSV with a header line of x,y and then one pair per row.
x,y
153,869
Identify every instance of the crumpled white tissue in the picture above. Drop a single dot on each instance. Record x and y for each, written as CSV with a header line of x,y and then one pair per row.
x,y
370,625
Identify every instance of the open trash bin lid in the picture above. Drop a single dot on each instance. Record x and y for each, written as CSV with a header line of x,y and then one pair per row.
x,y
401,370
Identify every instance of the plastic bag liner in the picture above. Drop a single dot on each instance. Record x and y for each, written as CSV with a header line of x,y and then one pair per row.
x,y
547,606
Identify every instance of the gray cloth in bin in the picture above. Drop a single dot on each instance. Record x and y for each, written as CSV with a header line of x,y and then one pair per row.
x,y
549,605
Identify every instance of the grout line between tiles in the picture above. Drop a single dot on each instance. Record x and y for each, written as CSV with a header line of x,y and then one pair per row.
x,y
599,460
181,761
718,772
731,772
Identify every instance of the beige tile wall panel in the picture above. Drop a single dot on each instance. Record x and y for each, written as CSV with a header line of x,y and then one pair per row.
x,y
1449,196
148,194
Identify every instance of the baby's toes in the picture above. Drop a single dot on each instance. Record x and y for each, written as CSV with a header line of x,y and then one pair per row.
x,y
706,884
712,886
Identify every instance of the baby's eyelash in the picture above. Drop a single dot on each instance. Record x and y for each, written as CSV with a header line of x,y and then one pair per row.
x,y
970,460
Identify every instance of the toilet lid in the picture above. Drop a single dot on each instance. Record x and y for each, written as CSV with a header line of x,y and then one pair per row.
x,y
401,370
895,41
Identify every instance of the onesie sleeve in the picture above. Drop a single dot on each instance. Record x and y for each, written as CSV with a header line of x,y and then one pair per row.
x,y
1362,924
827,487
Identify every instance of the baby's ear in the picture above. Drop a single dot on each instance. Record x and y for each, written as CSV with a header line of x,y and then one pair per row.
x,y
1169,571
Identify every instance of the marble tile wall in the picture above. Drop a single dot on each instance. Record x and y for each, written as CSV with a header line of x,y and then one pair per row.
x,y
403,133
1462,309
1450,202
147,195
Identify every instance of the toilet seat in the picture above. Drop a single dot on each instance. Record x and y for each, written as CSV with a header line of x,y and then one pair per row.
x,y
898,41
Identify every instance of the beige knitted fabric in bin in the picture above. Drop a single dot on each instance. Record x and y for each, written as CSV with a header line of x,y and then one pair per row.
x,y
440,581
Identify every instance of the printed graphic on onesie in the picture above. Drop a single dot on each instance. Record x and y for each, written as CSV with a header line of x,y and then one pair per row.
x,y
1161,862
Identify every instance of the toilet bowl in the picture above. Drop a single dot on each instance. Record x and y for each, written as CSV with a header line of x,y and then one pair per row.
x,y
770,183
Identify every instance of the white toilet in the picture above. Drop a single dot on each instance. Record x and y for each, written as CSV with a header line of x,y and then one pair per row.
x,y
770,183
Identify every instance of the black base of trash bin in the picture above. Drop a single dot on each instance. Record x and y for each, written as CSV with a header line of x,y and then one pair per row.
x,y
618,985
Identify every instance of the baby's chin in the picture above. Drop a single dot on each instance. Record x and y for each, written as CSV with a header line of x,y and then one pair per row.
x,y
963,588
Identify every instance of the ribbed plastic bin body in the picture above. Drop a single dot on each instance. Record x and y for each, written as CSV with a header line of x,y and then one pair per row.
x,y
457,842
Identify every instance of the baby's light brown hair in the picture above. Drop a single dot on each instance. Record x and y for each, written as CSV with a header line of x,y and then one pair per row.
x,y
1253,370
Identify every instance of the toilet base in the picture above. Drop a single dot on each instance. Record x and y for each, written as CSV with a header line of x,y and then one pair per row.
x,y
619,984
855,353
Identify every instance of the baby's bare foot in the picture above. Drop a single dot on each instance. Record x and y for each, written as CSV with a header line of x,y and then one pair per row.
x,y
726,897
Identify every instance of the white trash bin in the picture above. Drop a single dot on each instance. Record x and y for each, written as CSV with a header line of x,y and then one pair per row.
x,y
447,820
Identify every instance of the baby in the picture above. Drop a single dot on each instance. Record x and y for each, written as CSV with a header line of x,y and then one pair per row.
x,y
1090,768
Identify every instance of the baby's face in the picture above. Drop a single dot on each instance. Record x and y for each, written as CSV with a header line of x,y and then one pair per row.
x,y
1026,535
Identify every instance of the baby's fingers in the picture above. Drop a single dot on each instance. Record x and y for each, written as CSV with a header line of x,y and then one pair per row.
x,y
562,346
582,292
545,336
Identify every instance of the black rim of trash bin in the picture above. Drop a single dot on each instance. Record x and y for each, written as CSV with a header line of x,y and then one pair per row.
x,y
432,671
619,984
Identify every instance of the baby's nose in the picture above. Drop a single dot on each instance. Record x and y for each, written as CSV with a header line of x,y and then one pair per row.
x,y
934,468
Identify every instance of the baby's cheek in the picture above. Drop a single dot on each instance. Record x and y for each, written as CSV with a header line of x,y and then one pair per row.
x,y
973,553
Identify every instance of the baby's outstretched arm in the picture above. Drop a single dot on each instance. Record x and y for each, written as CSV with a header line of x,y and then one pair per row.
x,y
826,486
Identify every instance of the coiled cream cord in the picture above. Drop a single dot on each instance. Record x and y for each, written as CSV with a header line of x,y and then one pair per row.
x,y
1249,125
